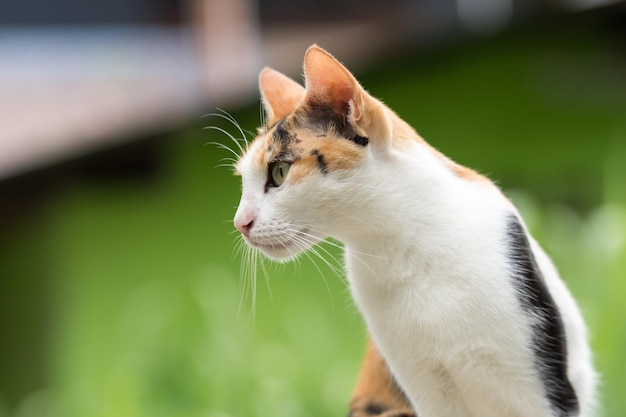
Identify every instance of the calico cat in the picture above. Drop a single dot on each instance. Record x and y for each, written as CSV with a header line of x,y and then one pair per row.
x,y
466,309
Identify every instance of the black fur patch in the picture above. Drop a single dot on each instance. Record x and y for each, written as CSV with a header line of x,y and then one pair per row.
x,y
323,117
360,140
282,136
374,409
321,162
549,341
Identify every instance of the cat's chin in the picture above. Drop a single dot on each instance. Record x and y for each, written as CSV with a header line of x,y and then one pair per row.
x,y
280,255
283,251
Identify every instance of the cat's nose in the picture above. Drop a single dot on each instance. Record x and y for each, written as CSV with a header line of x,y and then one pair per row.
x,y
244,224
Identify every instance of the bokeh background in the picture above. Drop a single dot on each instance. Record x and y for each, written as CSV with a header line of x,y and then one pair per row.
x,y
120,287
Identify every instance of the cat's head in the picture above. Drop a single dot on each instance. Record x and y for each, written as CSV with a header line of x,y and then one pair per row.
x,y
301,176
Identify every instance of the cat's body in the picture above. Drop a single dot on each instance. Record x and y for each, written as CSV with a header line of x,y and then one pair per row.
x,y
466,309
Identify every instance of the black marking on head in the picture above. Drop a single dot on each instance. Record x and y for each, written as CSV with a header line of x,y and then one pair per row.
x,y
549,342
374,409
322,115
321,162
360,140
324,118
282,136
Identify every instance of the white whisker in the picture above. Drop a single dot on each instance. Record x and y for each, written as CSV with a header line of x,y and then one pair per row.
x,y
305,241
262,113
307,250
337,270
352,253
266,276
227,116
231,119
221,130
249,258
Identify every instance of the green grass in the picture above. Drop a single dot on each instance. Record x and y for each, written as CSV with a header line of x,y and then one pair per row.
x,y
148,318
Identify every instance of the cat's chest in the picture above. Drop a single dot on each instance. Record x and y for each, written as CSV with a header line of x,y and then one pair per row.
x,y
400,302
440,308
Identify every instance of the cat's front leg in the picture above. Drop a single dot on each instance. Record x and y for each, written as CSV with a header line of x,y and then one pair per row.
x,y
376,392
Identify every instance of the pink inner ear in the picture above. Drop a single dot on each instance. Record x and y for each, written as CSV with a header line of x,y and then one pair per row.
x,y
327,80
281,94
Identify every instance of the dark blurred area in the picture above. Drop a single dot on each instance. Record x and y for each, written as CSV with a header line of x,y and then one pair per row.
x,y
109,198
74,12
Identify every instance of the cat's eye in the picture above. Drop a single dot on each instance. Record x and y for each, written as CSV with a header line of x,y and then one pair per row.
x,y
278,172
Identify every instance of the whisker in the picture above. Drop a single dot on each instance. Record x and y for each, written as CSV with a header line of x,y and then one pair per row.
x,y
248,282
224,166
227,116
309,246
266,276
336,269
354,254
231,119
222,146
262,113
340,246
249,256
305,246
242,249
330,294
232,161
306,241
219,129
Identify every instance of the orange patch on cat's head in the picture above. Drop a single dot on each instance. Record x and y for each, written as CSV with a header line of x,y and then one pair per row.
x,y
325,155
262,150
309,150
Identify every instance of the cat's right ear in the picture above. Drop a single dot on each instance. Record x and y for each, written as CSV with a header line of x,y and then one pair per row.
x,y
281,95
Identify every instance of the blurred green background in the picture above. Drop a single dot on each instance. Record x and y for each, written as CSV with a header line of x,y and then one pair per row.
x,y
121,292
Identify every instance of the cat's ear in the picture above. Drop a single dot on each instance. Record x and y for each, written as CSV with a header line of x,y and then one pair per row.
x,y
329,83
281,95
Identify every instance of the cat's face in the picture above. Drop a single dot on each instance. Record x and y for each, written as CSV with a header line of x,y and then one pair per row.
x,y
300,176
293,181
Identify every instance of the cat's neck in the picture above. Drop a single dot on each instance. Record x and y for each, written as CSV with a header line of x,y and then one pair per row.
x,y
452,216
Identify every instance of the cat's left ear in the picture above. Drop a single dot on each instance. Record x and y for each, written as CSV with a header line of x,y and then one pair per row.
x,y
281,95
329,83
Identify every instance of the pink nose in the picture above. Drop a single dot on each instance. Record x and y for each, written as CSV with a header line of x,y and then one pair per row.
x,y
244,224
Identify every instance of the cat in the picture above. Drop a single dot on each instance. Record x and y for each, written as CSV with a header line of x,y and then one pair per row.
x,y
467,314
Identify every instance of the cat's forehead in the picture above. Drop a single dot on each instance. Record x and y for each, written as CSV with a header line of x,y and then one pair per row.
x,y
309,148
279,141
286,139
270,141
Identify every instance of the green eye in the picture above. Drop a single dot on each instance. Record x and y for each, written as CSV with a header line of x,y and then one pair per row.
x,y
278,172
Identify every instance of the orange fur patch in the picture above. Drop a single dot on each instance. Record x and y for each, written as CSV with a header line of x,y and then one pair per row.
x,y
260,156
460,171
375,388
312,153
404,135
467,173
335,154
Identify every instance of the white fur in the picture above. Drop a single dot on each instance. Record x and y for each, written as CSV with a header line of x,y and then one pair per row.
x,y
427,266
